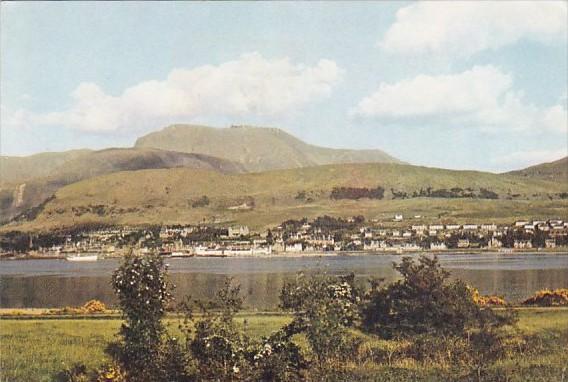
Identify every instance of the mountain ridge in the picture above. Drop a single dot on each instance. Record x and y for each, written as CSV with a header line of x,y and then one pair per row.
x,y
22,194
256,148
556,170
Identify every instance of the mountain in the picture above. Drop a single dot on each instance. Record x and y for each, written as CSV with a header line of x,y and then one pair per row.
x,y
19,169
23,192
555,171
173,196
256,148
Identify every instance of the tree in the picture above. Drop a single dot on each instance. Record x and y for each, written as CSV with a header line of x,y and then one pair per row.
x,y
143,292
324,307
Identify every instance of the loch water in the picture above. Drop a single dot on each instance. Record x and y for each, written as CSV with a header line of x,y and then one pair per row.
x,y
59,283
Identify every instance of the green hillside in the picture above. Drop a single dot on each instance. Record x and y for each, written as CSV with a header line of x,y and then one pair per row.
x,y
258,149
264,199
16,197
19,169
555,171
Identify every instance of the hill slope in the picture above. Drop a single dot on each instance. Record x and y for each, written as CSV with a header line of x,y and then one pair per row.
x,y
555,171
268,198
258,149
15,197
19,169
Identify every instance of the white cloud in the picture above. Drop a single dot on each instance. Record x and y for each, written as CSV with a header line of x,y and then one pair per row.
x,y
482,97
464,28
249,86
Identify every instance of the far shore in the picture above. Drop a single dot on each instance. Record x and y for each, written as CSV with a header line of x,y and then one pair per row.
x,y
468,251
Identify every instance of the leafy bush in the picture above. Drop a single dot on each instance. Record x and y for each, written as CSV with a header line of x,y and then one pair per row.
x,y
143,292
425,301
221,351
324,307
76,373
547,297
215,343
110,373
482,300
94,306
487,194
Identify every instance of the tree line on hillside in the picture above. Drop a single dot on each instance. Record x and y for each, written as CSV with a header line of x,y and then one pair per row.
x,y
356,193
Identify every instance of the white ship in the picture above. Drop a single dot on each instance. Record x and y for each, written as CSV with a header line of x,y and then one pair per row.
x,y
79,257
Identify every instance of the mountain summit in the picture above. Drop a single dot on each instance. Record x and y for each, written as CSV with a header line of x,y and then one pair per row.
x,y
256,148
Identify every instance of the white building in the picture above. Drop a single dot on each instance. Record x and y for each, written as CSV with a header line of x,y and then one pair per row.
x,y
438,246
296,247
238,231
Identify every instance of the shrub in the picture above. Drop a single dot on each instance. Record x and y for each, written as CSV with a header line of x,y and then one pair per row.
x,y
221,351
94,306
215,342
547,297
76,373
425,301
323,307
143,292
487,194
110,373
482,300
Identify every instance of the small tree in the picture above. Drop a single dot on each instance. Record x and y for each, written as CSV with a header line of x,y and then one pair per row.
x,y
324,308
143,292
221,351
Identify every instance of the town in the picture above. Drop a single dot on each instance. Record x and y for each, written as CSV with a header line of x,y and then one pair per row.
x,y
324,234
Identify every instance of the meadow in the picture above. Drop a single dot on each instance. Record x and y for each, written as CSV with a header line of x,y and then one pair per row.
x,y
36,349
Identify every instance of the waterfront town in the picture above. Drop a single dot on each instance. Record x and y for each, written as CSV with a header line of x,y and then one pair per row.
x,y
293,237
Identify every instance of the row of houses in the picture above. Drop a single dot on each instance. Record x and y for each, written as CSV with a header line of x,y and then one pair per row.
x,y
333,234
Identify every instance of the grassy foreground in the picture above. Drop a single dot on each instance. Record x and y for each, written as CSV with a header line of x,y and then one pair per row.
x,y
35,349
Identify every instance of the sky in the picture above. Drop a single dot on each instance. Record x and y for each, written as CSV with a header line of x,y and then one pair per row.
x,y
464,85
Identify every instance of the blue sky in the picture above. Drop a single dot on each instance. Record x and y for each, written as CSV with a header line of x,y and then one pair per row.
x,y
465,85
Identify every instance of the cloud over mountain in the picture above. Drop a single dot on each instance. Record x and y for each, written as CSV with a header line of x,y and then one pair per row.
x,y
464,28
249,86
482,97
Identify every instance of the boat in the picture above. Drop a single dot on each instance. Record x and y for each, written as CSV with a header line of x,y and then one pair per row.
x,y
181,254
82,258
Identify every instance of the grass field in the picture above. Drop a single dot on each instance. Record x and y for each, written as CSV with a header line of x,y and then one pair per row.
x,y
35,349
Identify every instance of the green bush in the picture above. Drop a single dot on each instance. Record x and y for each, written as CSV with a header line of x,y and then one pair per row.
x,y
143,292
324,307
425,301
221,351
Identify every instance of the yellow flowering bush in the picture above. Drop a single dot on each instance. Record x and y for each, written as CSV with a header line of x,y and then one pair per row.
x,y
548,297
489,300
94,306
111,373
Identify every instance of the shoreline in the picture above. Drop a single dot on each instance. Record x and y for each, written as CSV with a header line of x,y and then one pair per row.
x,y
113,314
295,255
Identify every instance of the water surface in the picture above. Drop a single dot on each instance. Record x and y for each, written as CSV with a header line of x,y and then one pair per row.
x,y
58,283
